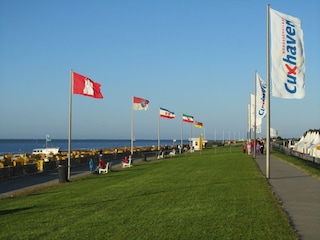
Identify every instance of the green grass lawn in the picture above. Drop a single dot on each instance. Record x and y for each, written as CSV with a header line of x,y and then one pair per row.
x,y
216,194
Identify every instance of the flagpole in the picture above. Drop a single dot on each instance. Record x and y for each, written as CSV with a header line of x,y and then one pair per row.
x,y
223,136
159,130
268,96
191,133
132,124
181,134
255,116
70,123
249,132
248,122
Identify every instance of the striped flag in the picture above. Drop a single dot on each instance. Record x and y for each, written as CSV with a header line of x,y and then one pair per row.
x,y
166,113
198,124
187,118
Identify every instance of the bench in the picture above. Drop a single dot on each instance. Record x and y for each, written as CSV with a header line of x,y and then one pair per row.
x,y
104,170
128,164
172,153
161,155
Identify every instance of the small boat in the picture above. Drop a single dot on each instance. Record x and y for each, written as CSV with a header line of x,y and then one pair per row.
x,y
47,151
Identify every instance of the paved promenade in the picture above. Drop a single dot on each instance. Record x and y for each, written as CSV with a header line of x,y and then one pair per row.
x,y
299,194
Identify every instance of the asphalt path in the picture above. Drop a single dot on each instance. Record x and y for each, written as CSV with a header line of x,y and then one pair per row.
x,y
298,193
13,186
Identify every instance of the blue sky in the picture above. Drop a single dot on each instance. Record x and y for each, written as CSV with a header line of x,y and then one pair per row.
x,y
191,57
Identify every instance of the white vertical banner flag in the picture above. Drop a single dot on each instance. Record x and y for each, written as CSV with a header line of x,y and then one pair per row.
x,y
252,110
287,56
261,97
259,129
252,114
249,117
273,132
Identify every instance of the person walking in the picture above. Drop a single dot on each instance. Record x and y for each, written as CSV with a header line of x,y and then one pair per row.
x,y
91,165
244,147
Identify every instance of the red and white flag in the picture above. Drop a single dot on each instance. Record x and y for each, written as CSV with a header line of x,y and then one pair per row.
x,y
166,113
287,56
85,86
187,118
140,103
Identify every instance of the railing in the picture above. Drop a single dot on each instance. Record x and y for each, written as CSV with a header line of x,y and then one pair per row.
x,y
23,168
291,152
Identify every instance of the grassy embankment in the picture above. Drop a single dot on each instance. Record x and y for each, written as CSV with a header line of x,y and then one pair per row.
x,y
216,194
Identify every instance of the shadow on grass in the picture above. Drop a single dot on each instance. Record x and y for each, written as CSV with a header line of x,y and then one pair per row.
x,y
15,210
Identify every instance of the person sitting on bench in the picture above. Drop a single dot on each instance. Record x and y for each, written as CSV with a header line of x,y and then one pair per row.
x,y
101,165
127,162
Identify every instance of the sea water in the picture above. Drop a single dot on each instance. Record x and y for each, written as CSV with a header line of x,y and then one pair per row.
x,y
16,146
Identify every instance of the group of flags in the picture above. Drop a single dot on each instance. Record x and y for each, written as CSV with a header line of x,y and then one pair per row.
x,y
287,59
287,72
143,104
85,86
287,68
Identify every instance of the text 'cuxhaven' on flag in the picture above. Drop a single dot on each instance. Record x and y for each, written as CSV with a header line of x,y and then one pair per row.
x,y
287,56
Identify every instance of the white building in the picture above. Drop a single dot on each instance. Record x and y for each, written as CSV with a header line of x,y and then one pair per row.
x,y
195,143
